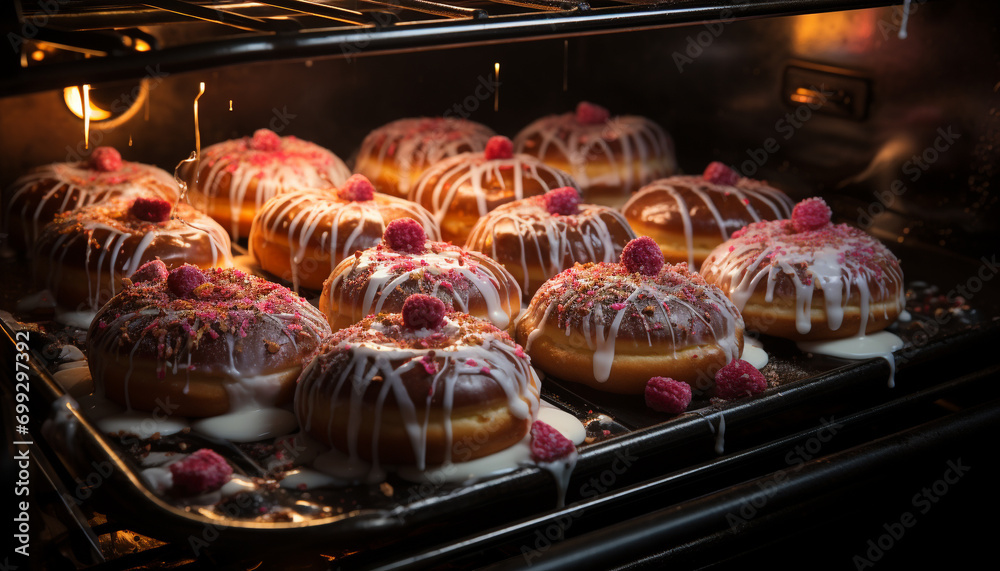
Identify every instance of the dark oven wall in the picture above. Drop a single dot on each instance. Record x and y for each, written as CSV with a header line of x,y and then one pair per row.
x,y
901,135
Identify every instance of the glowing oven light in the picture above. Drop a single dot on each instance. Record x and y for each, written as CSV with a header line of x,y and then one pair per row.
x,y
74,101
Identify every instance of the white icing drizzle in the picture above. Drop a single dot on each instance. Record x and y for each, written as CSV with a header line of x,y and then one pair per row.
x,y
595,234
76,185
906,19
880,344
391,270
303,214
839,260
248,424
610,297
496,358
296,165
661,200
753,352
409,146
112,221
472,173
646,151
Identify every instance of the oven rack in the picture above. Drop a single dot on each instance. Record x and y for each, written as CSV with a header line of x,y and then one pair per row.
x,y
186,35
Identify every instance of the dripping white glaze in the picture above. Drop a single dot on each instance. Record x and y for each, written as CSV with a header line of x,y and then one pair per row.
x,y
880,344
753,352
317,219
403,149
645,152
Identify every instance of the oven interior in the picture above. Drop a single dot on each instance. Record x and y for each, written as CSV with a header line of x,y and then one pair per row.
x,y
899,135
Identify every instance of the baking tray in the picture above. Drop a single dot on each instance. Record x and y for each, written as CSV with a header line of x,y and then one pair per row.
x,y
621,432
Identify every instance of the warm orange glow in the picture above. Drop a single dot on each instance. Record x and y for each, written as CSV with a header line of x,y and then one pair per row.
x,y
496,86
854,31
197,129
141,45
74,101
38,55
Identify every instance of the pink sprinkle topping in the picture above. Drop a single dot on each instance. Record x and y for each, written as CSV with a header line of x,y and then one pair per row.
x,y
739,379
150,209
718,173
590,114
642,256
548,444
667,395
182,281
265,140
423,311
811,214
430,367
151,271
204,471
105,159
499,147
565,201
357,189
405,235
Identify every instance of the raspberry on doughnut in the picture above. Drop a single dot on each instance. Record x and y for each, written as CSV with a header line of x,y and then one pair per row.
x,y
461,189
807,278
689,216
235,178
380,279
451,382
536,238
209,342
301,236
610,157
612,326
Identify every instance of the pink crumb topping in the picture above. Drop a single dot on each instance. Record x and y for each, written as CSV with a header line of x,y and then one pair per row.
x,y
184,280
719,173
811,214
151,271
357,189
667,395
405,235
150,209
265,140
204,471
564,201
423,311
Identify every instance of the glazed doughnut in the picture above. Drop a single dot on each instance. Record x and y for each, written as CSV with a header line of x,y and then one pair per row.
x,y
208,342
234,178
34,199
614,326
807,278
609,156
82,256
688,216
418,388
379,279
461,189
395,155
301,236
536,238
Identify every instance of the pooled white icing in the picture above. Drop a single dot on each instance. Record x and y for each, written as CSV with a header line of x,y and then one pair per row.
x,y
141,424
753,352
880,344
248,425
39,300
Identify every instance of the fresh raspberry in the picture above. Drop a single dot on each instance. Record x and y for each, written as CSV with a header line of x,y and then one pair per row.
x,y
738,379
105,159
204,471
152,271
643,256
405,235
590,114
565,201
547,444
265,140
667,395
184,280
151,209
357,189
718,173
811,214
499,147
423,311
